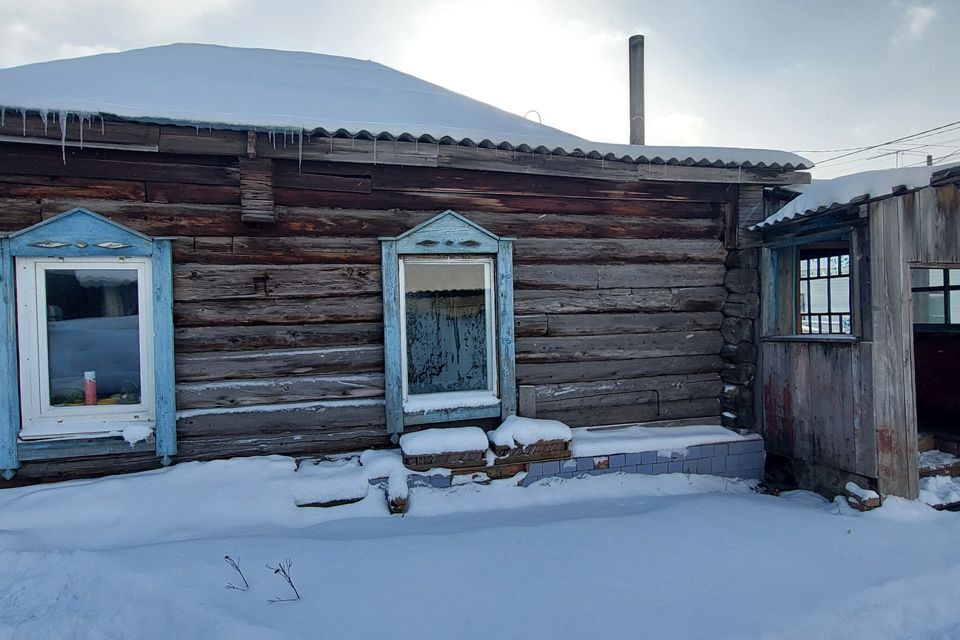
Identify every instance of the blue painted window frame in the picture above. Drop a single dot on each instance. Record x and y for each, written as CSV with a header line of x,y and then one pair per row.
x,y
447,234
80,233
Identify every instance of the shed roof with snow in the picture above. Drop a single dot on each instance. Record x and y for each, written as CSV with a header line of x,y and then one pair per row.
x,y
227,87
822,196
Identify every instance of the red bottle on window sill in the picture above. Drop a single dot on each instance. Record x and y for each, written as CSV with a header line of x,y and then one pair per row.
x,y
89,387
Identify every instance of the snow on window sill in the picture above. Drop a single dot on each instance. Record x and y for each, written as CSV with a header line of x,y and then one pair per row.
x,y
424,402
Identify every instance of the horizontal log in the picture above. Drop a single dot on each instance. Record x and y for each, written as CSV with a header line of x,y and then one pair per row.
x,y
92,163
319,219
706,408
390,178
203,140
266,250
496,203
240,393
184,193
617,276
604,251
17,214
336,419
267,310
257,281
593,324
306,179
291,443
620,300
618,347
549,373
157,219
226,365
95,130
628,391
273,336
27,186
532,325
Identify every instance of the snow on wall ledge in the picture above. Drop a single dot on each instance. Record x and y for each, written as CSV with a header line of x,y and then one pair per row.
x,y
823,195
296,92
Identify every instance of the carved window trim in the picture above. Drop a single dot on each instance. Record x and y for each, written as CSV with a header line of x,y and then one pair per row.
x,y
448,235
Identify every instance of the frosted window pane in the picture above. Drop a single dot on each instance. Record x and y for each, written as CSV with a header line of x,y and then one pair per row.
x,y
446,324
93,336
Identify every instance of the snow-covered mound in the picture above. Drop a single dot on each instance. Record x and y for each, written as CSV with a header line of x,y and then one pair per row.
x,y
590,441
306,92
517,432
443,440
821,195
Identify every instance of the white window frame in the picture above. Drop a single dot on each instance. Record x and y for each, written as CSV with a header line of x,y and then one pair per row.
x,y
39,418
451,399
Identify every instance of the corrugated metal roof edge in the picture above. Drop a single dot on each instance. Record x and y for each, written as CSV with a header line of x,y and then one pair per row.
x,y
504,145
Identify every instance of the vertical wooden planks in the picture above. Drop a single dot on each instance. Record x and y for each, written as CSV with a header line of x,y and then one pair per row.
x,y
893,405
393,373
506,347
10,391
164,390
256,190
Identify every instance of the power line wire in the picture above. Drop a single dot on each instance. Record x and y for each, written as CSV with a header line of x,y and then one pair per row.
x,y
882,144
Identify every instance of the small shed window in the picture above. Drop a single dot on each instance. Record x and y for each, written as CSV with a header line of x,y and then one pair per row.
x,y
823,296
936,297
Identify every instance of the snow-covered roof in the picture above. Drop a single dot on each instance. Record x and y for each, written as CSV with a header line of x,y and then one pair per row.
x,y
824,195
231,87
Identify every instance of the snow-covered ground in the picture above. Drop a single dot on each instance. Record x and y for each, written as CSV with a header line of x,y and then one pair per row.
x,y
671,556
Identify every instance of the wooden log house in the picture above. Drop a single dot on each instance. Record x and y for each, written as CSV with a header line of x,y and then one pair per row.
x,y
244,277
855,380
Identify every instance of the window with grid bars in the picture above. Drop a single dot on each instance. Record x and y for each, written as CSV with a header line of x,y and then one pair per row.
x,y
936,298
824,291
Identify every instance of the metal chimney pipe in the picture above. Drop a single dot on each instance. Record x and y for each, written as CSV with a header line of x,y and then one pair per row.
x,y
636,90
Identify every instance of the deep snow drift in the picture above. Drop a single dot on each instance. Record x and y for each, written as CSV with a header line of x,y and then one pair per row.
x,y
672,556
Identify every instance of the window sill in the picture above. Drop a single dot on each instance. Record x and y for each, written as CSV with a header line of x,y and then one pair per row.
x,y
425,402
820,337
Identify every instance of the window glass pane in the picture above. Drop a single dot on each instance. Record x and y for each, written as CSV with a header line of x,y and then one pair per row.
x,y
954,277
446,324
824,266
928,307
927,277
804,268
840,294
818,296
835,265
955,307
93,336
845,265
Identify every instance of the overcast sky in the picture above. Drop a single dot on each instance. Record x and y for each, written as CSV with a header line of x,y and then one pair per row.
x,y
811,75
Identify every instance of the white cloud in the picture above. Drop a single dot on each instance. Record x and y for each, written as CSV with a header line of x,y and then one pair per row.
x,y
916,20
677,128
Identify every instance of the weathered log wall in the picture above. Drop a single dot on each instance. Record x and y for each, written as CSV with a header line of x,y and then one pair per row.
x,y
619,286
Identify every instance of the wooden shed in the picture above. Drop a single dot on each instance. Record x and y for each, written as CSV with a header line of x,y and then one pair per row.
x,y
214,252
860,330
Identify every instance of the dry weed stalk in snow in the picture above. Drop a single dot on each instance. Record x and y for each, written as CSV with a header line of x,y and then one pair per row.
x,y
283,570
236,567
